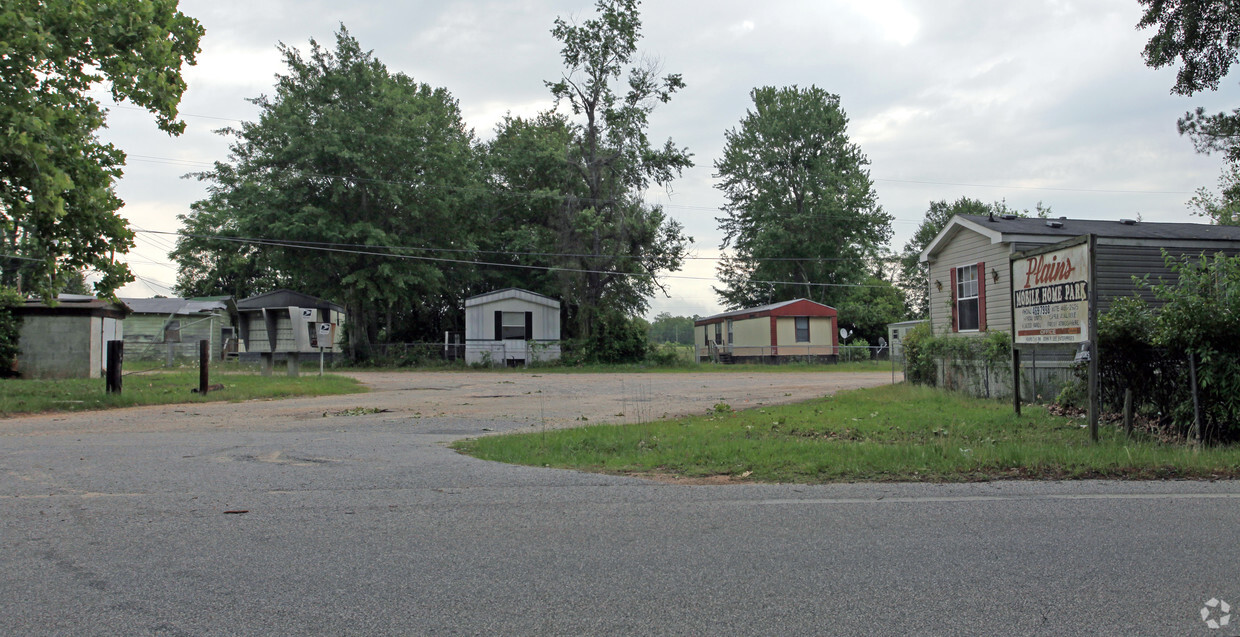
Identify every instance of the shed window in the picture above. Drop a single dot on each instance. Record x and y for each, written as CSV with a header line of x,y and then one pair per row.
x,y
966,298
802,325
514,326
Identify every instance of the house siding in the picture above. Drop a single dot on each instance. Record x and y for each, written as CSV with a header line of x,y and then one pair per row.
x,y
543,321
969,248
820,341
144,336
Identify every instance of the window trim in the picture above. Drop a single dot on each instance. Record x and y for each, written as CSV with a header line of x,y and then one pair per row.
x,y
506,324
958,297
796,330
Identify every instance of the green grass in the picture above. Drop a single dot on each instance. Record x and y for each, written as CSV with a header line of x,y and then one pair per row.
x,y
891,433
21,396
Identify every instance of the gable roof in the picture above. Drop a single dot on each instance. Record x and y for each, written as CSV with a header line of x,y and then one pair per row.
x,y
512,293
177,306
795,307
1037,230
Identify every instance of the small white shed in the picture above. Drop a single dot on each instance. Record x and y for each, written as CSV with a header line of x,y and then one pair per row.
x,y
511,327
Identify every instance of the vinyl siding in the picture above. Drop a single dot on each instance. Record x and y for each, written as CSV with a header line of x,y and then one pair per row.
x,y
968,248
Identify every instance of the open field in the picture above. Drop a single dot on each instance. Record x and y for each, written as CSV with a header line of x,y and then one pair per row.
x,y
892,433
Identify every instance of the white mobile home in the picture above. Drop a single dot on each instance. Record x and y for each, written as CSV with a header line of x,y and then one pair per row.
x,y
511,327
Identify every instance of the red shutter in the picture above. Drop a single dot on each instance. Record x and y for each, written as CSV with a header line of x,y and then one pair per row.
x,y
952,296
981,296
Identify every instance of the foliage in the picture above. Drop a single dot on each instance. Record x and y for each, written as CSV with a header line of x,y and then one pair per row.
x,y
856,350
368,167
1201,316
919,364
212,255
912,273
1202,38
894,433
965,359
1146,350
10,331
868,309
1224,208
616,339
801,216
619,244
58,208
672,329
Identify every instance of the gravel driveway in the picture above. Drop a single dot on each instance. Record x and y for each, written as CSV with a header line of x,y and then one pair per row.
x,y
519,398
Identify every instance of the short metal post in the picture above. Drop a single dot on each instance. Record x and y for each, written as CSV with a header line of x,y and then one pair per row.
x,y
204,365
115,355
1016,380
1192,377
1128,411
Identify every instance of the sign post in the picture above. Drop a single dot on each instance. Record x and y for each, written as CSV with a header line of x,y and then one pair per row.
x,y
1054,302
324,333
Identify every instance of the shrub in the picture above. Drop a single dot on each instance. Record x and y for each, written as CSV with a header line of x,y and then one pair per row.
x,y
858,350
918,361
10,331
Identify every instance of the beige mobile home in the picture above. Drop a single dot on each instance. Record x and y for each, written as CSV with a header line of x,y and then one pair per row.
x,y
771,333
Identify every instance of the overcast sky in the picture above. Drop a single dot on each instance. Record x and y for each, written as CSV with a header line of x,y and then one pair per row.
x,y
1024,101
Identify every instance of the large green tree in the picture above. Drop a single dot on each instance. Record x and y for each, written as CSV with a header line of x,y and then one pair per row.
x,y
1202,38
612,245
802,218
58,208
358,182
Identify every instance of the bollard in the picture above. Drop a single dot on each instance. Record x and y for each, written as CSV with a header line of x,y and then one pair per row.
x,y
116,355
204,365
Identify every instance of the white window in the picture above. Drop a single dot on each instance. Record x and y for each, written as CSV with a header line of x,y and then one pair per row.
x,y
802,327
730,341
966,298
514,326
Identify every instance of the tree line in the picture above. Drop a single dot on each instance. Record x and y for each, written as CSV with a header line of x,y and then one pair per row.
x,y
362,185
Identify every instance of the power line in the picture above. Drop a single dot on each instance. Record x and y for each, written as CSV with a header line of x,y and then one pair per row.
x,y
282,244
476,251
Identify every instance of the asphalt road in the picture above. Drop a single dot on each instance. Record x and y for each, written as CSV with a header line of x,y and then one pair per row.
x,y
371,526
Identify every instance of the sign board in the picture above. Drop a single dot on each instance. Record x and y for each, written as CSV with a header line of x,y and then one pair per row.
x,y
307,313
1050,295
322,334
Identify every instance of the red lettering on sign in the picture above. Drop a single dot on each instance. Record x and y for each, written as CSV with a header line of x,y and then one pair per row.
x,y
1041,271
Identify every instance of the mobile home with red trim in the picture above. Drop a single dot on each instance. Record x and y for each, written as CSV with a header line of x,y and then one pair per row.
x,y
778,332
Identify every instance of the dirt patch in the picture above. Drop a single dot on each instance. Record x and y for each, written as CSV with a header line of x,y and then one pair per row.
x,y
521,398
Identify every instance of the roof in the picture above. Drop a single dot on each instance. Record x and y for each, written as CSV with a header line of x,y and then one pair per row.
x,y
285,298
795,307
1038,230
908,323
512,293
74,305
180,307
